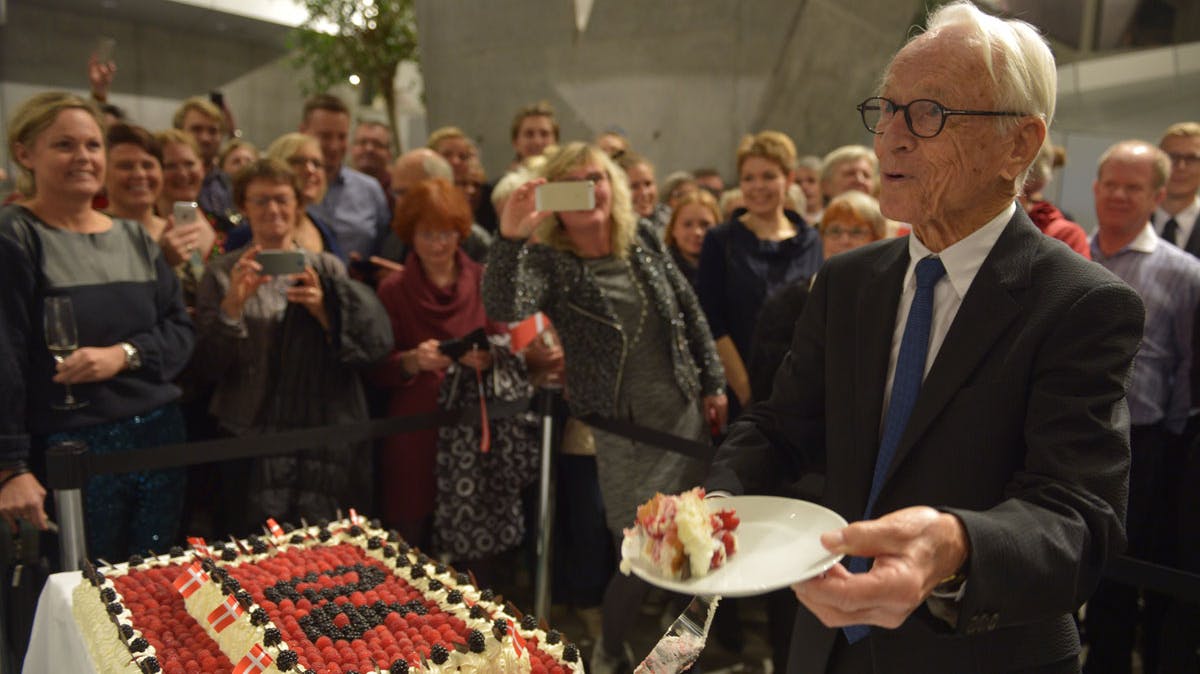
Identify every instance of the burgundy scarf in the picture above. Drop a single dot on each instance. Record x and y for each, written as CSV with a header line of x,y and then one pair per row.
x,y
440,313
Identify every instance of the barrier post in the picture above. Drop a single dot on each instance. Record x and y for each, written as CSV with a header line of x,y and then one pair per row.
x,y
66,475
546,399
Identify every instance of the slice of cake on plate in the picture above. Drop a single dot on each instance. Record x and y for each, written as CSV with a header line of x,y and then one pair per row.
x,y
680,537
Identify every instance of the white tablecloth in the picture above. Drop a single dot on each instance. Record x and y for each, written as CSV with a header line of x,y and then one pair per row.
x,y
56,645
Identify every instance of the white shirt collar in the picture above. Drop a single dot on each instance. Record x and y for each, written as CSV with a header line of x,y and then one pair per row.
x,y
1146,240
964,258
1187,215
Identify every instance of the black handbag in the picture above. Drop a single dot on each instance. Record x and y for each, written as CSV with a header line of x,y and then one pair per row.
x,y
23,571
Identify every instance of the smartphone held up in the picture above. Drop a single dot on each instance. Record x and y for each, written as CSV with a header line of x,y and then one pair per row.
x,y
280,262
573,195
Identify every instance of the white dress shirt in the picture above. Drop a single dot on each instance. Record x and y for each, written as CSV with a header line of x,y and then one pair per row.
x,y
962,261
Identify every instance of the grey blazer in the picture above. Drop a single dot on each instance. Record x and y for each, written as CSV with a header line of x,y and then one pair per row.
x,y
522,279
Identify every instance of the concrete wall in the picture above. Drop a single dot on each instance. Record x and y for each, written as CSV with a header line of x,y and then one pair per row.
x,y
1113,98
165,54
47,48
685,79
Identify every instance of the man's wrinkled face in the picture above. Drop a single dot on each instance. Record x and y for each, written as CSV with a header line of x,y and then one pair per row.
x,y
942,179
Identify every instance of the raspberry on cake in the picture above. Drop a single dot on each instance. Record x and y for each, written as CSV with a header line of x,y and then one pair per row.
x,y
680,537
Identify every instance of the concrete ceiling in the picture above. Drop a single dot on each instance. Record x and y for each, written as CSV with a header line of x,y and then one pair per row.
x,y
189,19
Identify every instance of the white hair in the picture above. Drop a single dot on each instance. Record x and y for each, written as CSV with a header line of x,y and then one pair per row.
x,y
435,166
1015,54
509,184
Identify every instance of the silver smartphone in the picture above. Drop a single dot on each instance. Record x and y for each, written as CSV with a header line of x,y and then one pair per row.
x,y
575,195
280,262
186,212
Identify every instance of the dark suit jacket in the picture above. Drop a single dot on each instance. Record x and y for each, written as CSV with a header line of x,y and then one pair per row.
x,y
1192,245
1021,430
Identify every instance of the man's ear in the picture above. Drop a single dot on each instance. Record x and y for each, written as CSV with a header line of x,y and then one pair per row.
x,y
1027,141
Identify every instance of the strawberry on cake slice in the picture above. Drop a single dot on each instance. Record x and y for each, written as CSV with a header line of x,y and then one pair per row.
x,y
680,537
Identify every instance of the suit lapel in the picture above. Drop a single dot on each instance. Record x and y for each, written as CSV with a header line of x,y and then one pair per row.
x,y
1193,243
982,317
877,302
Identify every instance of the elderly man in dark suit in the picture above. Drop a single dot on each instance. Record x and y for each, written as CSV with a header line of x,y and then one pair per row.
x,y
962,389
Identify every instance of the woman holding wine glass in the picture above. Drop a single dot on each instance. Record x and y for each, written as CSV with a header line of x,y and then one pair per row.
x,y
100,371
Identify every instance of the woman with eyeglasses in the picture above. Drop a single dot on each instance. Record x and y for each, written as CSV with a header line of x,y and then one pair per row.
x,y
434,298
285,351
302,154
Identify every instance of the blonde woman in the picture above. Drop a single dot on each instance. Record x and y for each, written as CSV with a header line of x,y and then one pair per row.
x,y
635,341
114,391
693,216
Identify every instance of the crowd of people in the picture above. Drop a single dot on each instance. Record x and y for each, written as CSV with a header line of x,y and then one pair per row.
x,y
898,321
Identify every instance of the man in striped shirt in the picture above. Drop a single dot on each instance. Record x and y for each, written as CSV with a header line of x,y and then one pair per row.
x,y
1130,183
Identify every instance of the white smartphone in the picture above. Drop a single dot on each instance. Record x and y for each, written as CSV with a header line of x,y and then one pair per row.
x,y
280,262
186,212
575,195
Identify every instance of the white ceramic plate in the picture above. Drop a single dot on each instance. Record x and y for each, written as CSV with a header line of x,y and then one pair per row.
x,y
779,543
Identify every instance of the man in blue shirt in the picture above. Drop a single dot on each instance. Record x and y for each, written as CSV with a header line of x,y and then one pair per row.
x,y
1130,184
354,207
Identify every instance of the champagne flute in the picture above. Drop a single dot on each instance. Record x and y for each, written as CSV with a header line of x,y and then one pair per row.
x,y
61,340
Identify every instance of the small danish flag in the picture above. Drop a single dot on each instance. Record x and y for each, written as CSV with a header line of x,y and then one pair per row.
x,y
355,518
224,615
190,580
198,545
255,661
518,641
274,528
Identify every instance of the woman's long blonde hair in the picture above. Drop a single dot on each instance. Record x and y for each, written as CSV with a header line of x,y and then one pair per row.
x,y
623,222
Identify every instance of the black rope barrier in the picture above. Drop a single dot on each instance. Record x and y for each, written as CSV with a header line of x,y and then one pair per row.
x,y
1155,577
68,466
649,436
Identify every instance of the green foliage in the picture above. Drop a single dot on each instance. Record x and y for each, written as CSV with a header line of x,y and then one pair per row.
x,y
370,39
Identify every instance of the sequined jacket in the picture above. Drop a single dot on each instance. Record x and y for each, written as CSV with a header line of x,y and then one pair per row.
x,y
522,279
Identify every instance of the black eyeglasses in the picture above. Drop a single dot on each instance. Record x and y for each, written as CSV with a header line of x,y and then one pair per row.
x,y
925,118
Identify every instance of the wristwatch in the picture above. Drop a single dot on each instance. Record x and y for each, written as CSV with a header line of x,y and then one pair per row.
x,y
133,357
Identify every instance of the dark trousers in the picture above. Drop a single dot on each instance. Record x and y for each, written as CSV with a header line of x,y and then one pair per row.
x,y
1179,645
583,547
1113,617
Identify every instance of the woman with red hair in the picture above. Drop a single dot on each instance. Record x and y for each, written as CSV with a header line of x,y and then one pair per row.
x,y
434,298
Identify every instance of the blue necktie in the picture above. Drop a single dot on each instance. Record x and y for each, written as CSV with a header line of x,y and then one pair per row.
x,y
906,384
